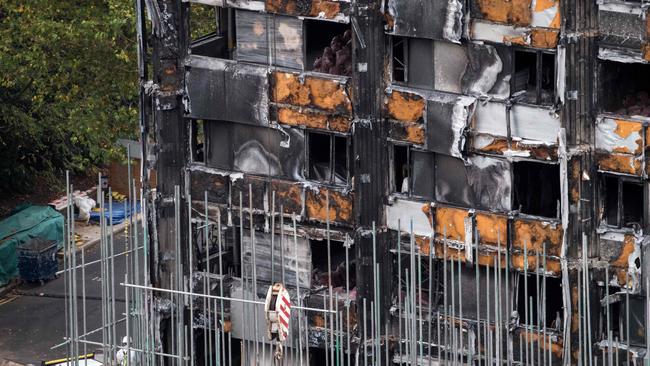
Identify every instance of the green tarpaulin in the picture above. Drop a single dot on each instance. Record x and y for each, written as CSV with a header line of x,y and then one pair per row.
x,y
30,222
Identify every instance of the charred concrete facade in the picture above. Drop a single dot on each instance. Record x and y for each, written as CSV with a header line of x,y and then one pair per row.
x,y
468,176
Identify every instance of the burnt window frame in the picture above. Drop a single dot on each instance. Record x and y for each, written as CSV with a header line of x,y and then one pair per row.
x,y
393,184
620,208
332,157
221,30
393,42
539,55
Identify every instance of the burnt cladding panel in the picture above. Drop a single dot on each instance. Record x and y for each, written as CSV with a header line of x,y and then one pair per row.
x,y
452,184
483,182
450,63
423,174
259,34
420,63
440,133
246,95
491,181
621,29
488,70
205,90
419,18
252,36
224,90
255,150
218,144
292,154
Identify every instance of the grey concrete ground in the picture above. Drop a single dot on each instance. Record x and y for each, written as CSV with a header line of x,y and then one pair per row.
x,y
32,318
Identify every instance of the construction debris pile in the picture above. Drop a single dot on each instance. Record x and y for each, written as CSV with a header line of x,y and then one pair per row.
x,y
636,105
337,57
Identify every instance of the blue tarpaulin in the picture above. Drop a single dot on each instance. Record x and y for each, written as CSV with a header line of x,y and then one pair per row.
x,y
120,212
29,222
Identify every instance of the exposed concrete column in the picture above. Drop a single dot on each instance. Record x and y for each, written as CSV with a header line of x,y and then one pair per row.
x,y
170,46
370,155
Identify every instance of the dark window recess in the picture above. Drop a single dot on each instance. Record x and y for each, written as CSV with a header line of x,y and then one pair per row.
x,y
329,47
198,142
320,357
549,305
400,59
632,204
401,169
537,188
413,172
610,200
232,251
320,272
207,31
624,88
615,321
412,61
534,75
328,158
622,202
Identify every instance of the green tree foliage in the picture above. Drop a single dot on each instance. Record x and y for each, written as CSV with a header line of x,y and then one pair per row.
x,y
68,86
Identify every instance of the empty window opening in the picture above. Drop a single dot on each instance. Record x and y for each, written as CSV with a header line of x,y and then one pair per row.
x,y
537,188
428,278
339,270
622,202
208,31
399,59
624,88
198,142
203,20
546,304
328,158
329,47
401,169
534,75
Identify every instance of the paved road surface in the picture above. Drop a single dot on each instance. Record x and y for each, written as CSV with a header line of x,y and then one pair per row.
x,y
33,321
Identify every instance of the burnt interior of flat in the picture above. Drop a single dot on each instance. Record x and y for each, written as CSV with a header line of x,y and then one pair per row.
x,y
624,88
548,301
536,188
328,47
320,265
534,76
622,202
328,158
